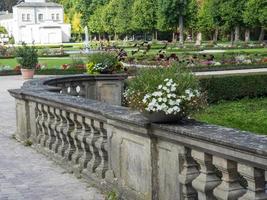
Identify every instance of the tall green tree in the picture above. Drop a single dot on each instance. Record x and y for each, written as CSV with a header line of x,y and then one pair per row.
x,y
144,16
171,16
255,15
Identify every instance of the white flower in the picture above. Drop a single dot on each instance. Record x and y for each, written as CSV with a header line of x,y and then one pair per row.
x,y
164,100
166,80
160,87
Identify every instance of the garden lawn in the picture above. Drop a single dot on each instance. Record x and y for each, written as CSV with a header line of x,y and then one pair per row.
x,y
53,62
246,114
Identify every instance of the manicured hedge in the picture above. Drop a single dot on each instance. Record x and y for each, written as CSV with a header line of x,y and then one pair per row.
x,y
46,72
234,87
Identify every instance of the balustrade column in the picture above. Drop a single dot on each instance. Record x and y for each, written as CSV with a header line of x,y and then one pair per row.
x,y
230,188
256,182
51,131
67,130
56,126
90,140
44,129
77,143
86,154
101,145
207,179
188,173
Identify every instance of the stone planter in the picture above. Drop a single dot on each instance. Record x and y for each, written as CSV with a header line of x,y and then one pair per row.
x,y
161,117
27,73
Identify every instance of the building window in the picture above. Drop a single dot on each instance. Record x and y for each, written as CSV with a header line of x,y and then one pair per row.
x,y
53,16
57,17
28,17
40,17
23,17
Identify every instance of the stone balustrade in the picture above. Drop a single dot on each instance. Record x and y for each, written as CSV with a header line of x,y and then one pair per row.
x,y
118,149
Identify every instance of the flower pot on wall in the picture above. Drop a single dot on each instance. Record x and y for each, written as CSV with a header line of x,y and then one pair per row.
x,y
27,73
161,117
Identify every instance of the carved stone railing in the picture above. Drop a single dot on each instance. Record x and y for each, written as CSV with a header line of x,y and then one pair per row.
x,y
118,149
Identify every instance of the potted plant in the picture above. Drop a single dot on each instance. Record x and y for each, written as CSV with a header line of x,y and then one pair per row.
x,y
27,58
164,94
104,63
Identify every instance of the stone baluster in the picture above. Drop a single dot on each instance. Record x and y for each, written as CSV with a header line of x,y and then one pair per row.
x,y
82,92
39,118
64,89
77,143
256,182
207,179
188,173
62,136
86,131
73,89
51,131
70,148
43,126
101,145
56,126
230,188
90,140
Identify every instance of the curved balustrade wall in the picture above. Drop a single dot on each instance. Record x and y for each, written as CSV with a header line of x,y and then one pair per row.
x,y
118,149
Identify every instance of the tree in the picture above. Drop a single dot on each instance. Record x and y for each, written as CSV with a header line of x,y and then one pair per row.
x,y
171,16
96,21
255,15
231,12
144,15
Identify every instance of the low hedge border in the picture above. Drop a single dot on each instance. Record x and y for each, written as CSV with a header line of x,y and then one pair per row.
x,y
233,87
45,72
227,67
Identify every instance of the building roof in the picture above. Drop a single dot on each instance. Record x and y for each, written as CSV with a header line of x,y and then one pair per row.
x,y
38,4
6,16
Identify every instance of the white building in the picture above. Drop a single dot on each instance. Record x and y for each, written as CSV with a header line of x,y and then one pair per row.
x,y
37,21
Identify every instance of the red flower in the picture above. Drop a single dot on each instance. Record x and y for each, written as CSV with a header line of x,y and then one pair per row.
x,y
17,68
64,66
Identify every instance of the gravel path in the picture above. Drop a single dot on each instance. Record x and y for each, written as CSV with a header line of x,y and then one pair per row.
x,y
26,174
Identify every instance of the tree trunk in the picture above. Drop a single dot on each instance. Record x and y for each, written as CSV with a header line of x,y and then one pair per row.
x,y
232,37
237,33
181,30
155,35
199,39
247,35
174,38
261,38
215,35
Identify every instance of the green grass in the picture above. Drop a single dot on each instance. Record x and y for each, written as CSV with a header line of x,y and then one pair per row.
x,y
49,62
246,114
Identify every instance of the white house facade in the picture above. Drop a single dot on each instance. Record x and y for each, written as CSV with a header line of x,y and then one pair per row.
x,y
37,21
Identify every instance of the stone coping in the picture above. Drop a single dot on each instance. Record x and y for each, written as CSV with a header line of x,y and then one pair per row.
x,y
39,90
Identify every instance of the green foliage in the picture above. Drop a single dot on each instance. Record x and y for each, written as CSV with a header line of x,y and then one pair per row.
x,y
148,80
234,87
144,15
3,30
103,63
246,114
255,13
27,56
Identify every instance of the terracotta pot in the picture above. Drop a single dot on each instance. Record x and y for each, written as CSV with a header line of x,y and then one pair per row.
x,y
161,117
27,73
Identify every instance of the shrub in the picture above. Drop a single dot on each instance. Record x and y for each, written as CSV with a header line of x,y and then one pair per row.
x,y
77,62
27,56
103,63
234,87
172,90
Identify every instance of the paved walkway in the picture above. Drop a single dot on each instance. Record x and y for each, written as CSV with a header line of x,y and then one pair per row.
x,y
25,174
233,72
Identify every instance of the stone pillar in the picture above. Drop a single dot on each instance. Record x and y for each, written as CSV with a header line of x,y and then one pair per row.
x,y
207,180
256,182
22,115
230,188
109,92
188,173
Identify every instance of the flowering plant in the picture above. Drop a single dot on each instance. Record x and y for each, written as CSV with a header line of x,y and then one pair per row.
x,y
172,91
103,63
